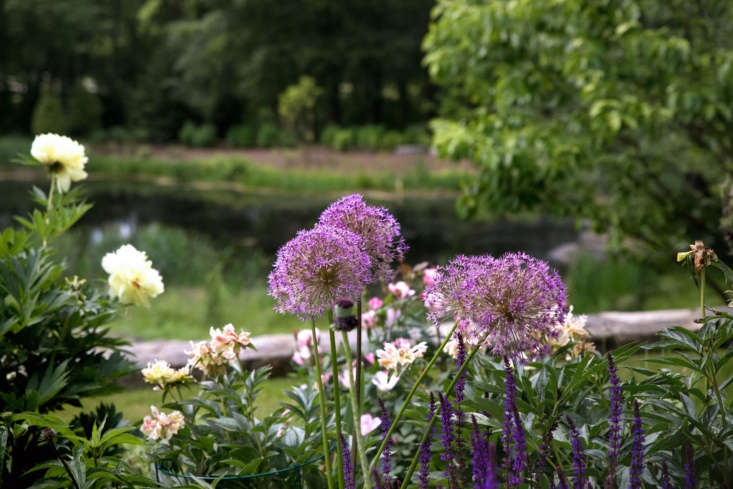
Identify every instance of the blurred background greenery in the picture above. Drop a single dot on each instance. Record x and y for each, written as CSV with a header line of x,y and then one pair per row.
x,y
216,129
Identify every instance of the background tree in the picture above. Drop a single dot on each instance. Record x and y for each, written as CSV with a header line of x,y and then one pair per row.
x,y
614,111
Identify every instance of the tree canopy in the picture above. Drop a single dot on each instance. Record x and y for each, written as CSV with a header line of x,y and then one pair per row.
x,y
614,111
158,63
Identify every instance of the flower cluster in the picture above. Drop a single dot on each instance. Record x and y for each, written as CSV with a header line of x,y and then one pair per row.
x,y
132,278
378,229
164,376
401,290
368,423
572,329
514,301
63,156
317,268
304,343
212,357
637,450
161,426
400,353
579,462
384,381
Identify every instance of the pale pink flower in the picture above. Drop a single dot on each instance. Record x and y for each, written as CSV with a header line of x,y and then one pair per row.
x,y
429,275
451,348
375,303
344,377
401,290
414,333
369,319
369,357
301,356
384,381
162,425
392,316
368,423
400,353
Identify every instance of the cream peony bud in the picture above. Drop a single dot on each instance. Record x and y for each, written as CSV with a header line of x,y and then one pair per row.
x,y
132,279
64,157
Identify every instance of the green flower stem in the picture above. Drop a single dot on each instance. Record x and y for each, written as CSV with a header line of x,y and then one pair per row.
x,y
413,465
410,394
336,399
702,293
358,352
324,425
359,445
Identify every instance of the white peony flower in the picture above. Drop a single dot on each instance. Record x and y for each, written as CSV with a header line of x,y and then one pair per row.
x,y
132,278
64,157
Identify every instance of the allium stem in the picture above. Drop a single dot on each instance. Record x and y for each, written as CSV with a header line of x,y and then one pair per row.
x,y
359,444
428,429
336,400
406,402
321,393
702,293
358,352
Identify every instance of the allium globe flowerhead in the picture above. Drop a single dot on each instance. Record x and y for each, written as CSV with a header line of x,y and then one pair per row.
x,y
378,229
515,299
316,269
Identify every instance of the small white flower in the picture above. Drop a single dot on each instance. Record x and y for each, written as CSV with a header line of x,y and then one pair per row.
x,y
132,278
384,381
64,157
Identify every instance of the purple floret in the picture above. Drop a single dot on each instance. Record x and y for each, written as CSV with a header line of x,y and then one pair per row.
x,y
579,462
637,450
516,299
316,269
379,230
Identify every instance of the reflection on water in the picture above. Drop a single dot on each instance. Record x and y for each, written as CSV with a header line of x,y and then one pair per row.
x,y
266,221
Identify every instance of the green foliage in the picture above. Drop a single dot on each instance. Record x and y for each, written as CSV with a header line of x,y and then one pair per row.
x,y
49,115
223,415
84,111
198,136
242,136
297,106
618,113
267,135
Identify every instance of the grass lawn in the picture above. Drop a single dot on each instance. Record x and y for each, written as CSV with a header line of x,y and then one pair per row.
x,y
135,403
182,313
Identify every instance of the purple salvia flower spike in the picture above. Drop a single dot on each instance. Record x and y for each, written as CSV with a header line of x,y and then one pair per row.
x,y
561,478
347,465
510,432
579,462
460,360
446,422
378,229
386,456
614,434
666,484
690,479
479,455
637,450
424,457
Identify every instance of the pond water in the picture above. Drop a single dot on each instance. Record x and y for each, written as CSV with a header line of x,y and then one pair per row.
x,y
265,221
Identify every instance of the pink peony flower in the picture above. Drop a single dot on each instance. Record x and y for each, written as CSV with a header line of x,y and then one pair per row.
x,y
401,290
429,275
369,357
375,303
369,423
369,319
392,316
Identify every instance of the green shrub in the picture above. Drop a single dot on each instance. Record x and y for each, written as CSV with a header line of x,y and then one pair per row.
x,y
288,138
344,139
328,135
297,105
84,111
48,115
197,136
391,139
417,134
242,136
369,137
267,135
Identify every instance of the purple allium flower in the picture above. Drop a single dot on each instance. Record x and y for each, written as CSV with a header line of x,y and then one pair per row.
x,y
666,484
617,399
516,299
424,457
379,230
348,468
637,450
578,455
690,479
386,460
460,360
317,268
